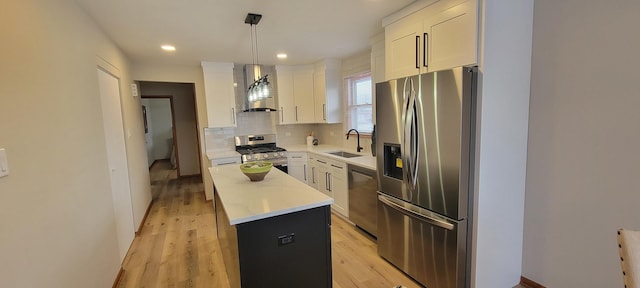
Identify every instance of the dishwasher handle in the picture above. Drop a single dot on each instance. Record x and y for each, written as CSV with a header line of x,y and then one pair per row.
x,y
415,214
363,174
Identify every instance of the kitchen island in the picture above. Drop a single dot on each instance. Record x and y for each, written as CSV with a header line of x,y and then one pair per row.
x,y
273,233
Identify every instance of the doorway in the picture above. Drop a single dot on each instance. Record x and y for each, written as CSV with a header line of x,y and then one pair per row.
x,y
183,136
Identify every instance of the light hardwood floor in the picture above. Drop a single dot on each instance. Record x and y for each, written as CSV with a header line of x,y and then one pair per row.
x,y
177,246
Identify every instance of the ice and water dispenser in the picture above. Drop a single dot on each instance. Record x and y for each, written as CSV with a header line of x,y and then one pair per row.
x,y
392,161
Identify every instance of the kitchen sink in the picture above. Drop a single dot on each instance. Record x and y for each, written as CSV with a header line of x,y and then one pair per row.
x,y
344,154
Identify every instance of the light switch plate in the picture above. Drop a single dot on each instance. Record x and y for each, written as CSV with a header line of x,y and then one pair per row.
x,y
134,90
4,165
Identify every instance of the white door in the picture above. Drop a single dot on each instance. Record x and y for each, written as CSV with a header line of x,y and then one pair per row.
x,y
117,159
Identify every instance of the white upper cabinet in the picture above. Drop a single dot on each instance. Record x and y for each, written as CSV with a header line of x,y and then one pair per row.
x,y
440,36
326,91
403,47
219,91
303,92
452,37
295,94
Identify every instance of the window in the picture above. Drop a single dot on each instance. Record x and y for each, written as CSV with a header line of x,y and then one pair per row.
x,y
360,103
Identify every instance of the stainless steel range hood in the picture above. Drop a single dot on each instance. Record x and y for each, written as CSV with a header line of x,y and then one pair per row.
x,y
244,76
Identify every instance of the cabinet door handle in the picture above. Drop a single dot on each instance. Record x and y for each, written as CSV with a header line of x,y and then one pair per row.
x,y
305,172
418,51
326,181
296,113
281,114
233,115
324,111
330,184
425,61
313,175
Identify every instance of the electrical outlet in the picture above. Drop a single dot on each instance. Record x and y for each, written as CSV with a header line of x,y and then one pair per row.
x,y
4,165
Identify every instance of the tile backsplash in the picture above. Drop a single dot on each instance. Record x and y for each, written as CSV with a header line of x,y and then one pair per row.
x,y
219,139
222,139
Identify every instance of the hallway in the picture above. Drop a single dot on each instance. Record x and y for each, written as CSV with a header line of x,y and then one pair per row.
x,y
177,246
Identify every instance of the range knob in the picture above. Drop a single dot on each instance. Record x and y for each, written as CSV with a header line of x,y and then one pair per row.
x,y
265,156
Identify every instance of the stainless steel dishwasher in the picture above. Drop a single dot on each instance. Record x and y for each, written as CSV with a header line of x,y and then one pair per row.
x,y
363,198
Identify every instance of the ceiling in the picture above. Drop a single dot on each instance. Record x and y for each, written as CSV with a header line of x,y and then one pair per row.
x,y
214,30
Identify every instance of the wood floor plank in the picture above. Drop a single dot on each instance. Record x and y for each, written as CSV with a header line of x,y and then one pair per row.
x,y
177,245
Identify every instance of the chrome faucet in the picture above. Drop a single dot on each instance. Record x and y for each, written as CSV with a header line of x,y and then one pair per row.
x,y
349,132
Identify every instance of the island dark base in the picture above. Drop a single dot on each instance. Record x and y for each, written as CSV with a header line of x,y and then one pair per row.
x,y
291,250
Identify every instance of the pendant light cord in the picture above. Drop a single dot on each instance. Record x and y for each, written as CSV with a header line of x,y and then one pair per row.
x,y
257,59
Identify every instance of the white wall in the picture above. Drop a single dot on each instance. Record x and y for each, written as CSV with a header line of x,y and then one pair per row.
x,y
148,136
161,127
56,213
583,141
501,152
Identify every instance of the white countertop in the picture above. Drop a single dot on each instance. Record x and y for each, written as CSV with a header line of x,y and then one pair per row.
x,y
366,160
222,154
277,194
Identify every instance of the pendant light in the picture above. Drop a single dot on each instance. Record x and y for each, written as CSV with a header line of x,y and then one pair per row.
x,y
259,90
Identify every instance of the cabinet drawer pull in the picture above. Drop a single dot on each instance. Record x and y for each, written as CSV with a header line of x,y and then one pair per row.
x,y
336,166
323,162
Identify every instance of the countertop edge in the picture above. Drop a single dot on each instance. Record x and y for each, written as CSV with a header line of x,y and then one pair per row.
x,y
279,213
322,150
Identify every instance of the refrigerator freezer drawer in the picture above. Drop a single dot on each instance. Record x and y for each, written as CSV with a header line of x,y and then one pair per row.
x,y
432,250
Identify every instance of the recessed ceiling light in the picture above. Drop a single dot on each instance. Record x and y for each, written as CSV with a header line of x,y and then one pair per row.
x,y
282,56
168,47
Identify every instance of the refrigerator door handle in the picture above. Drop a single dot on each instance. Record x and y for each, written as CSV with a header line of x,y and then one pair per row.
x,y
409,139
414,214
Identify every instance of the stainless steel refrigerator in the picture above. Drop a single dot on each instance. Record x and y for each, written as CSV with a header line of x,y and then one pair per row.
x,y
425,147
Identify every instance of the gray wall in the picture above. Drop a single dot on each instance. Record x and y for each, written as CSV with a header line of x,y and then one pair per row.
x,y
583,141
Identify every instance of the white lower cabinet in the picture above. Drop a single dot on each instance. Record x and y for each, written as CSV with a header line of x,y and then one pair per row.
x,y
312,171
330,178
339,187
297,165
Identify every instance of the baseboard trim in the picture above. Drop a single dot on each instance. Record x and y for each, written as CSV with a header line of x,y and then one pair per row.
x,y
528,283
117,281
153,163
144,219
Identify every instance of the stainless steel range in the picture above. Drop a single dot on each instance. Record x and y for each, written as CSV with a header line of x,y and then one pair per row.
x,y
261,148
